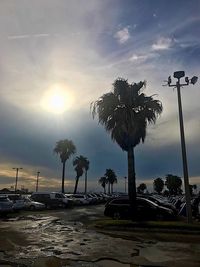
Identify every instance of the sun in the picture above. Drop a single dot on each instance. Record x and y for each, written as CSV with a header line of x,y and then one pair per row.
x,y
57,99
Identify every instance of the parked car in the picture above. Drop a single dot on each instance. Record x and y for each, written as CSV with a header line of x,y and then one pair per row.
x,y
18,201
91,199
33,205
105,196
161,202
120,208
80,199
6,205
51,200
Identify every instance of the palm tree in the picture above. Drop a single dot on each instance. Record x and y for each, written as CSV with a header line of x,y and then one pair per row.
x,y
158,185
103,181
86,167
79,163
111,178
141,188
125,113
65,149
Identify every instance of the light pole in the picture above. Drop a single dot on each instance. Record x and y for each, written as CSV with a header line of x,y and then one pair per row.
x,y
17,172
125,183
38,173
178,75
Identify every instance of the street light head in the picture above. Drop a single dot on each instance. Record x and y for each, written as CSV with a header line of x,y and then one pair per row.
x,y
169,80
187,80
179,74
194,80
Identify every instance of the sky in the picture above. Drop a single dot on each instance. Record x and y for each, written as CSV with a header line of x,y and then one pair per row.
x,y
58,56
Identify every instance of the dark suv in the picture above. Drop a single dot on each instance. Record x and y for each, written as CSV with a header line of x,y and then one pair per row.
x,y
120,208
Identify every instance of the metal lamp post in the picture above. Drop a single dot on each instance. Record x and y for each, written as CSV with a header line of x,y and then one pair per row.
x,y
37,180
125,183
178,75
17,172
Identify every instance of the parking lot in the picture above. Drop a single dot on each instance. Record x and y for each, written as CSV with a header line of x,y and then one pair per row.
x,y
63,238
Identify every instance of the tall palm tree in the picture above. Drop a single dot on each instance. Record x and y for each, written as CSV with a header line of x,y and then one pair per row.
x,y
113,181
79,163
111,178
103,181
65,149
86,167
125,113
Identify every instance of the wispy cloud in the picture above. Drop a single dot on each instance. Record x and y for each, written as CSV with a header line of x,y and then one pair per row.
x,y
162,44
139,58
26,36
122,35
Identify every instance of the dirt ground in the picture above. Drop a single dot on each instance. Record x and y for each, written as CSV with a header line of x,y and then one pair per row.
x,y
62,238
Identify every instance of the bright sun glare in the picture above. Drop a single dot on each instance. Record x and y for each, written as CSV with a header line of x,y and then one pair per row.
x,y
57,99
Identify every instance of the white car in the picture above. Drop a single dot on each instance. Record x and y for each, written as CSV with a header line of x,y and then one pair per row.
x,y
80,199
33,205
17,200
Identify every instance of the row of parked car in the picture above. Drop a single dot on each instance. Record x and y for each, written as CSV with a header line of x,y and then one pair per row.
x,y
43,200
180,205
150,207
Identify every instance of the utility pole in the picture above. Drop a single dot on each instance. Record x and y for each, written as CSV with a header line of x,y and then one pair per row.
x,y
125,183
17,172
178,75
37,179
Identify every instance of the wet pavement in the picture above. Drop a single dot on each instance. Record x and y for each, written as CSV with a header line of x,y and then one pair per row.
x,y
62,238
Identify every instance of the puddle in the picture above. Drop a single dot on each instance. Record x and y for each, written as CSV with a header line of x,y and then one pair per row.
x,y
47,239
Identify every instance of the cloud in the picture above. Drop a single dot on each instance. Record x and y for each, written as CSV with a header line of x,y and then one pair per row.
x,y
139,58
122,35
162,44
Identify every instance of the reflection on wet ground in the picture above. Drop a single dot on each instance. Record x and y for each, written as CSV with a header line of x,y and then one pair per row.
x,y
61,239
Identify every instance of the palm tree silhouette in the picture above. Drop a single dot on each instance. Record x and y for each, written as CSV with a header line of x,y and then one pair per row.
x,y
86,167
111,178
79,163
103,181
125,113
65,149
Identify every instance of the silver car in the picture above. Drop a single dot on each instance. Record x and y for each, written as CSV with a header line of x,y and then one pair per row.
x,y
33,205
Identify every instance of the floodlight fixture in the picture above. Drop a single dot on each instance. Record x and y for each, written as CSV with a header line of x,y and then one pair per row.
x,y
187,80
169,80
179,74
194,80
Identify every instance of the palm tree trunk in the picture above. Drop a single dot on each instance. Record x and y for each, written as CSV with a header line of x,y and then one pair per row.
x,y
104,189
108,188
111,188
63,177
76,185
85,182
131,178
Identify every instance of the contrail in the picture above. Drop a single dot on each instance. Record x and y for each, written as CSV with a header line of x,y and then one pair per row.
x,y
25,36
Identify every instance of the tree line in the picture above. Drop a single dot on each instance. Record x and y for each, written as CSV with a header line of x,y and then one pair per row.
x,y
172,183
